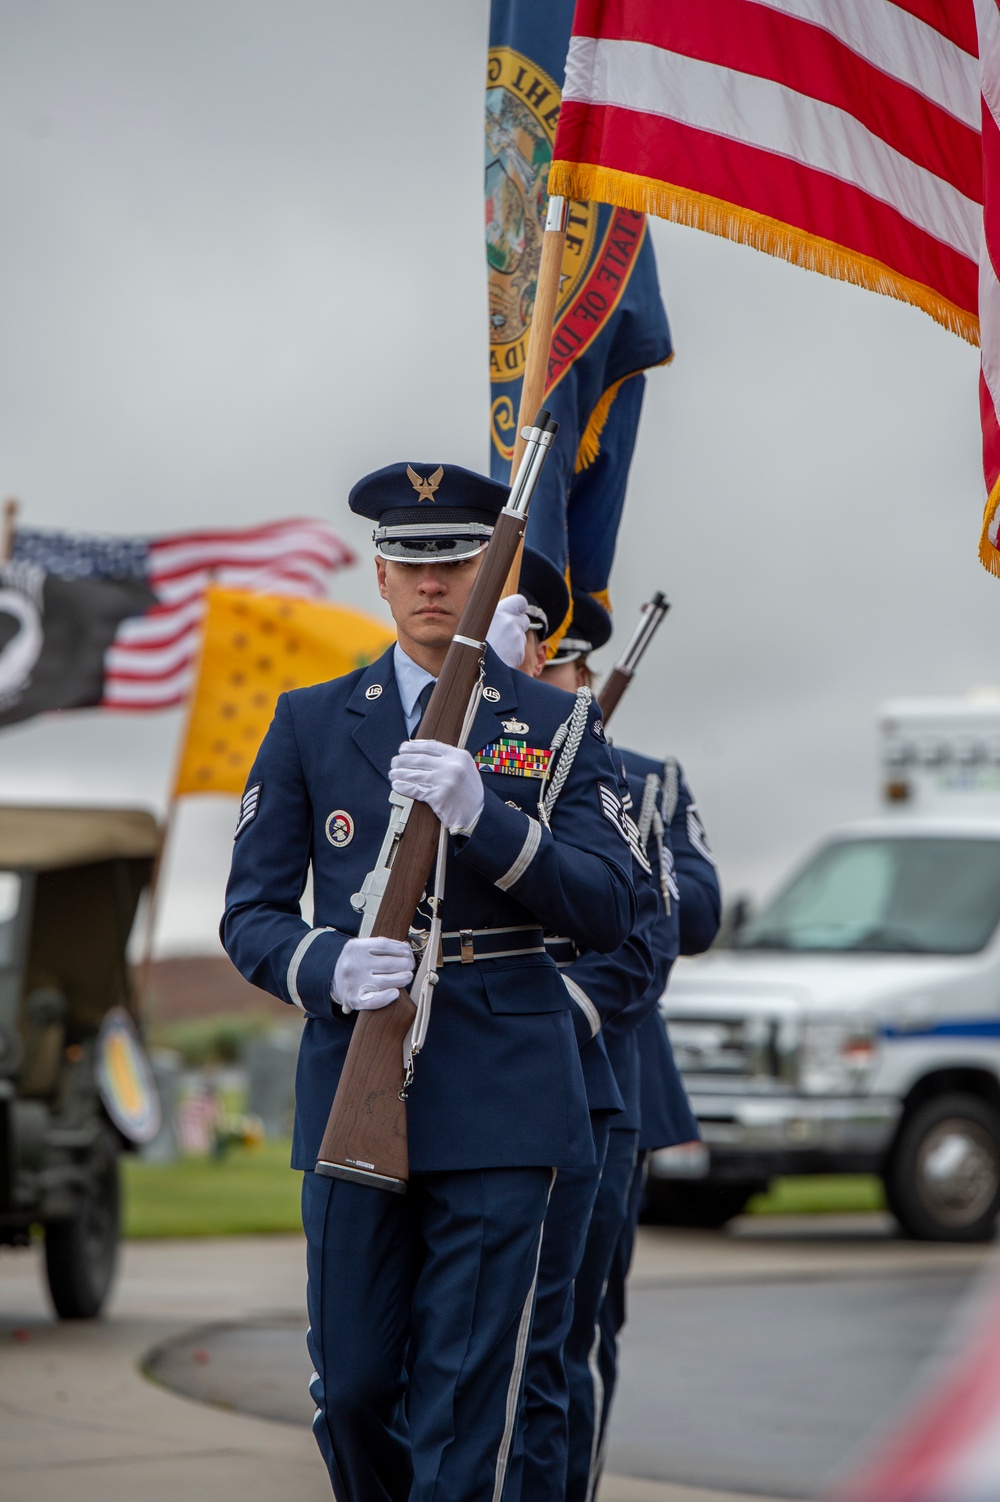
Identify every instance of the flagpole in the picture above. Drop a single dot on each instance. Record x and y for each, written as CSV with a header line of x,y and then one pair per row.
x,y
8,526
536,365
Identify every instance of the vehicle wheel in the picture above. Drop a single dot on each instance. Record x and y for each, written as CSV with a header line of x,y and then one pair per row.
x,y
943,1180
80,1254
670,1203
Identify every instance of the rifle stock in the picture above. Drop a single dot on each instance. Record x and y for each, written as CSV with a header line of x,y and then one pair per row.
x,y
612,690
365,1139
609,695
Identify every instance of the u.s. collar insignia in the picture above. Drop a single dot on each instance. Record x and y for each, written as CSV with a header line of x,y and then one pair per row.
x,y
339,828
515,727
373,690
491,695
425,488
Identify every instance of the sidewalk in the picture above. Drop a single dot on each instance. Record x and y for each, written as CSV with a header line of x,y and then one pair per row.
x,y
80,1423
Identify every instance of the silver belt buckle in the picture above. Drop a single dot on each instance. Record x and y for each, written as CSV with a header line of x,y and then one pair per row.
x,y
467,951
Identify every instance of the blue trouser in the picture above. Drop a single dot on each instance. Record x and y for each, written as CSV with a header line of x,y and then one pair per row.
x,y
419,1312
538,1468
613,1309
610,1215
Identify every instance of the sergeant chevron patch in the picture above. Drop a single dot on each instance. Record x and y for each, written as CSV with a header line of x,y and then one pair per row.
x,y
513,758
614,811
668,876
248,808
696,833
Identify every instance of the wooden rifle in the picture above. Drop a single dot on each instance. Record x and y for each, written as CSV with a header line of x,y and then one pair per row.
x,y
610,693
365,1139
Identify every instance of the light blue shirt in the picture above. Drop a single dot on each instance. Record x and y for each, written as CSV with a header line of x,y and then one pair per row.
x,y
410,679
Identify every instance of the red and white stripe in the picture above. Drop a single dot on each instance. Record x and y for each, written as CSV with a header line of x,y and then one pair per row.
x,y
946,1447
988,19
150,663
858,137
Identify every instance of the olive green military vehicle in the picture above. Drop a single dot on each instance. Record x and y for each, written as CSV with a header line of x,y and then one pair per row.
x,y
75,1088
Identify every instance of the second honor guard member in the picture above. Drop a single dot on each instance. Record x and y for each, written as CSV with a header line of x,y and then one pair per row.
x,y
420,1304
640,1053
601,985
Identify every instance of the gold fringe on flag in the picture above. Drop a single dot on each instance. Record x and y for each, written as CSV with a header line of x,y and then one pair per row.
x,y
590,443
585,180
989,552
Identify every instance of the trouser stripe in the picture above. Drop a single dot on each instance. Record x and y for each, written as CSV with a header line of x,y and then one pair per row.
x,y
593,1362
517,1373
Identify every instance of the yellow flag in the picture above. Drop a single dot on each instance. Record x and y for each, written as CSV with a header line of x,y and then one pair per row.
x,y
255,647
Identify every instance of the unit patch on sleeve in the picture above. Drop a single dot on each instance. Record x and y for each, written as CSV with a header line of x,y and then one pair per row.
x,y
248,808
513,758
696,833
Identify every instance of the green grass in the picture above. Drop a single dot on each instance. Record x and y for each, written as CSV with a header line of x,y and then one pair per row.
x,y
823,1194
247,1192
251,1192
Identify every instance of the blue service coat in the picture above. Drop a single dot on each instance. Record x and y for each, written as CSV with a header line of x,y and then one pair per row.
x,y
605,987
688,874
499,1082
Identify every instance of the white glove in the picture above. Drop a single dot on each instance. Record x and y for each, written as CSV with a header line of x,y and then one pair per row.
x,y
370,973
509,629
443,776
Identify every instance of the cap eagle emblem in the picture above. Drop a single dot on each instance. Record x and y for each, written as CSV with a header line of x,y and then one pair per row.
x,y
425,488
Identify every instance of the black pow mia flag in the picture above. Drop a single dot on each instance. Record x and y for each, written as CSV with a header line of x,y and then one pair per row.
x,y
54,634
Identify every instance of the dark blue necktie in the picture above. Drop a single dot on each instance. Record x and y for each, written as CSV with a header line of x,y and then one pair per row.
x,y
423,699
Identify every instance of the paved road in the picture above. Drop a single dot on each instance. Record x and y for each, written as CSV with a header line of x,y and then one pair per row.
x,y
792,1343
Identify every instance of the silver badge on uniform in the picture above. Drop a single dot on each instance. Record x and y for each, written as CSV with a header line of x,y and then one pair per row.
x,y
339,828
491,695
515,727
373,690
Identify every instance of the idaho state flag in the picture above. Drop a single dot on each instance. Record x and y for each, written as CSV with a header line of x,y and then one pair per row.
x,y
610,321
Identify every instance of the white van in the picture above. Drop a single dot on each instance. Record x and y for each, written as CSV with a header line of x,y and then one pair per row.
x,y
853,1023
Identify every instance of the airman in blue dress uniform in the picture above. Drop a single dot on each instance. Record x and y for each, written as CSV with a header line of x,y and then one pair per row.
x,y
601,987
690,910
420,1304
656,1110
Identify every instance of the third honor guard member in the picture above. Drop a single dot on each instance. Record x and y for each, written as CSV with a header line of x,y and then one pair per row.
x,y
690,912
420,1304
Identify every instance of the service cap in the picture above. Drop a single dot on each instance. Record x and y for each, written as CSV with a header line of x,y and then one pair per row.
x,y
589,629
429,513
546,592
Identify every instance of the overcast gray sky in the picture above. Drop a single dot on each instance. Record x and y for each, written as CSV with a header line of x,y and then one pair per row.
x,y
242,263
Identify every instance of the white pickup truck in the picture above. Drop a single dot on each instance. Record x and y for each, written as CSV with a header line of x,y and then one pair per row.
x,y
853,1023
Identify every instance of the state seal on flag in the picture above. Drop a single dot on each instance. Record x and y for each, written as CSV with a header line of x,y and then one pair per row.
x,y
522,108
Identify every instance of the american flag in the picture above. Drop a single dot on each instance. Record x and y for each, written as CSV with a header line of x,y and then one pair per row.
x,y
860,138
150,662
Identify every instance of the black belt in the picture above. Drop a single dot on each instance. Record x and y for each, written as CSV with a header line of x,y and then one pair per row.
x,y
467,945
